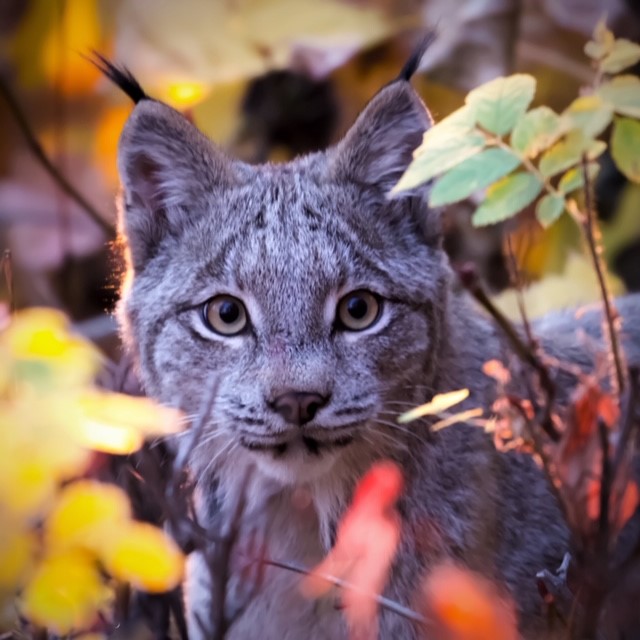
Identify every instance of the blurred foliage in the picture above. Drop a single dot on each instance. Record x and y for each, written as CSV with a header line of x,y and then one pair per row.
x,y
269,79
66,541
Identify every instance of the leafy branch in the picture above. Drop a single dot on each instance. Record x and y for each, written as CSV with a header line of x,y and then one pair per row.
x,y
523,156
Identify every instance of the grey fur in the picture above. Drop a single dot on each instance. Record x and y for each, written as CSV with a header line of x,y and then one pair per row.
x,y
290,240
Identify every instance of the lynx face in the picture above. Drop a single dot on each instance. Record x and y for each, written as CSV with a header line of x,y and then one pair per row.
x,y
308,298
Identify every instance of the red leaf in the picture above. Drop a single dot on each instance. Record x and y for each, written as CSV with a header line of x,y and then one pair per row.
x,y
365,547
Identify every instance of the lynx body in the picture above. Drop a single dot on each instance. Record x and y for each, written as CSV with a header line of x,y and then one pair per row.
x,y
320,308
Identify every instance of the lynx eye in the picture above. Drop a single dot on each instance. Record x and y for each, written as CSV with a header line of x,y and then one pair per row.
x,y
358,310
225,315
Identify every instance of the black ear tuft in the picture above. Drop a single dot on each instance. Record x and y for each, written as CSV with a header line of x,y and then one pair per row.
x,y
412,64
120,76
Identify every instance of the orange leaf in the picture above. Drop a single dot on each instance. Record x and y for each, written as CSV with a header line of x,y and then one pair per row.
x,y
627,505
465,606
496,370
365,547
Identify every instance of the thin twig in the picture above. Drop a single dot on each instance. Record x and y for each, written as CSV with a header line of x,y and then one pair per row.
x,y
219,561
53,171
627,418
7,270
606,481
516,281
592,234
470,281
385,603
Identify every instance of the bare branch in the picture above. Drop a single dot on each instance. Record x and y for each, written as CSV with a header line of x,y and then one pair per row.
x,y
591,230
383,602
525,352
48,165
6,266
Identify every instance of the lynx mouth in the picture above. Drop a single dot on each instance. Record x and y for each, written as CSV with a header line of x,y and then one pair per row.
x,y
312,446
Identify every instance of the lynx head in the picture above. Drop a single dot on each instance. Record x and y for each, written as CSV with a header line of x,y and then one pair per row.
x,y
307,296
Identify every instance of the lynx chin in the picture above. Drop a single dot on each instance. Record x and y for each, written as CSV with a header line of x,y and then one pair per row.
x,y
321,308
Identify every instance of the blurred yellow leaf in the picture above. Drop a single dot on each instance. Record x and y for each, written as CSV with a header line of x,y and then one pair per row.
x,y
186,94
26,484
144,556
463,416
118,423
86,514
222,42
43,350
106,138
576,285
17,553
440,402
75,31
27,42
65,593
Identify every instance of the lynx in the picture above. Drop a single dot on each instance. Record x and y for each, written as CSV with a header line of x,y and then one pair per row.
x,y
318,306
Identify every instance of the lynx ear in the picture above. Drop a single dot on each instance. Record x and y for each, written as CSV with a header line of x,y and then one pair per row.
x,y
168,169
379,146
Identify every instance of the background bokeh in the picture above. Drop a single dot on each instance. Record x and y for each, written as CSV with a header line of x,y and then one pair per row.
x,y
269,79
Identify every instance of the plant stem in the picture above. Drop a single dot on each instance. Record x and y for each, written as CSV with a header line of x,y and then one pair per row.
x,y
525,352
385,603
48,165
591,230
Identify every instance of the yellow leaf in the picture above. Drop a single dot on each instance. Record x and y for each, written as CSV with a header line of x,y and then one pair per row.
x,y
25,486
577,285
440,402
106,138
463,416
43,350
65,593
144,556
118,423
86,514
77,30
222,42
17,552
184,94
37,453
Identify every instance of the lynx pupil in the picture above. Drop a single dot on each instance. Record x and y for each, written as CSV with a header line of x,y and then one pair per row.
x,y
357,307
229,312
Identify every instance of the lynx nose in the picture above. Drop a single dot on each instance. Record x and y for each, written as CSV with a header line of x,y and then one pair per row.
x,y
298,407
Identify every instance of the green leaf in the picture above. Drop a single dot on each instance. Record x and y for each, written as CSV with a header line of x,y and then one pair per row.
x,y
602,42
623,93
443,147
574,178
622,55
500,103
549,209
475,173
537,130
625,146
506,197
590,114
568,152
